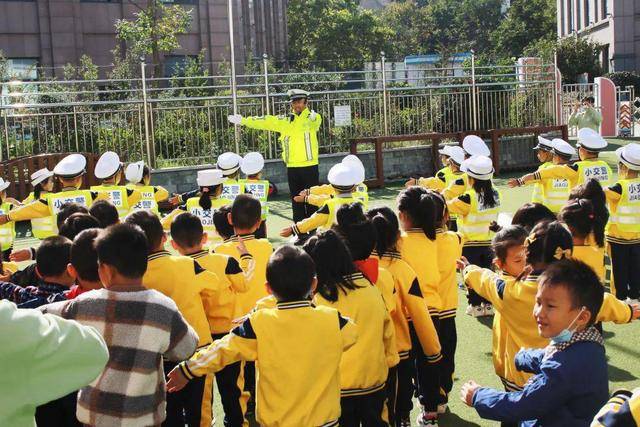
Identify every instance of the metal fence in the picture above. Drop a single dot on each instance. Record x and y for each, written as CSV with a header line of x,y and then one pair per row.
x,y
183,120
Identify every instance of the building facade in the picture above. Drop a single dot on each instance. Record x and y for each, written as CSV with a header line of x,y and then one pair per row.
x,y
51,33
613,23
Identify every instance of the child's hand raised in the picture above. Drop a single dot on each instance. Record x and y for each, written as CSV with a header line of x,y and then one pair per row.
x,y
462,263
298,198
20,255
467,392
177,380
286,232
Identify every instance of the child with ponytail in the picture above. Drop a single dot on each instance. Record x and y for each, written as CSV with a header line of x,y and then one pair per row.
x,y
417,245
204,204
409,316
365,366
579,216
477,209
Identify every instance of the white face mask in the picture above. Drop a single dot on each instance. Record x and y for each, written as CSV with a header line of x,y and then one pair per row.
x,y
567,333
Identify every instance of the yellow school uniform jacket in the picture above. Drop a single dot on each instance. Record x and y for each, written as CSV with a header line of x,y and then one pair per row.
x,y
457,186
9,267
260,250
410,305
297,348
449,247
515,301
593,256
386,286
365,366
422,255
499,340
185,281
220,306
622,410
325,217
578,173
625,193
50,204
438,182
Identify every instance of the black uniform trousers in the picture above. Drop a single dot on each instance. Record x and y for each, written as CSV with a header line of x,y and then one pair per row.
x,y
363,410
482,256
230,387
185,406
625,260
427,375
448,337
301,179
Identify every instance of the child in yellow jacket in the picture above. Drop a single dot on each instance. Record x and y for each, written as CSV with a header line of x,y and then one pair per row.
x,y
409,314
364,367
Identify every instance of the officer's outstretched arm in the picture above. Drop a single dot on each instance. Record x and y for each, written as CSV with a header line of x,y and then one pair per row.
x,y
272,123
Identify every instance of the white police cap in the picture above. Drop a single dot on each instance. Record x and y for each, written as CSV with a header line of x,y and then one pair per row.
x,y
629,155
563,148
544,144
40,175
228,162
591,140
107,165
475,146
71,166
445,150
456,154
4,184
341,175
478,167
297,94
252,163
134,171
210,177
355,163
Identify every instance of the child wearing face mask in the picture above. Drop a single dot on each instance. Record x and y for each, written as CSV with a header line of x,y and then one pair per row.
x,y
568,298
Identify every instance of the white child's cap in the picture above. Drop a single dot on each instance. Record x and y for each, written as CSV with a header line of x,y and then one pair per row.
x,y
355,163
629,155
456,153
210,177
252,163
71,166
544,144
478,167
563,148
107,166
228,162
133,172
40,175
591,140
344,176
473,145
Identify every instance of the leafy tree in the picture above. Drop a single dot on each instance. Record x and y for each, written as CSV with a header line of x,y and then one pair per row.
x,y
334,32
154,31
575,56
526,22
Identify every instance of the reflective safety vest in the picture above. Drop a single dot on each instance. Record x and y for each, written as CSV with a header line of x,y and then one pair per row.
x,y
8,230
148,199
627,214
334,204
447,173
555,193
475,225
594,169
231,188
117,196
55,201
260,190
41,227
361,193
206,215
537,196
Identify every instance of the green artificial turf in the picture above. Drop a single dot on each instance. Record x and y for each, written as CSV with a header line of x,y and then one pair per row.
x,y
473,356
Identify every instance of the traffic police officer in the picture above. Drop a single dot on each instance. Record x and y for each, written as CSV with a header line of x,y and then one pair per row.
x,y
299,143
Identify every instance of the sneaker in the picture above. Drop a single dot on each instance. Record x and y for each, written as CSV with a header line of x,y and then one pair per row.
x,y
488,310
469,311
631,301
442,408
477,311
404,420
428,419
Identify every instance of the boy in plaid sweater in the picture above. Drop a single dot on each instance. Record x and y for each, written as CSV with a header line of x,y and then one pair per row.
x,y
140,326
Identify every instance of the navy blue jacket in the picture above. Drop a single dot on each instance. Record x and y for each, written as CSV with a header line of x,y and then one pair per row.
x,y
568,389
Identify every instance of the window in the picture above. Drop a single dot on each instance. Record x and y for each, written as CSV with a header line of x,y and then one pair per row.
x,y
569,16
604,59
174,65
605,9
21,69
578,12
587,18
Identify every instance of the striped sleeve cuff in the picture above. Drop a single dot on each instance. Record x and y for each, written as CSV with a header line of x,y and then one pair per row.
x,y
184,368
295,229
435,358
536,176
246,256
